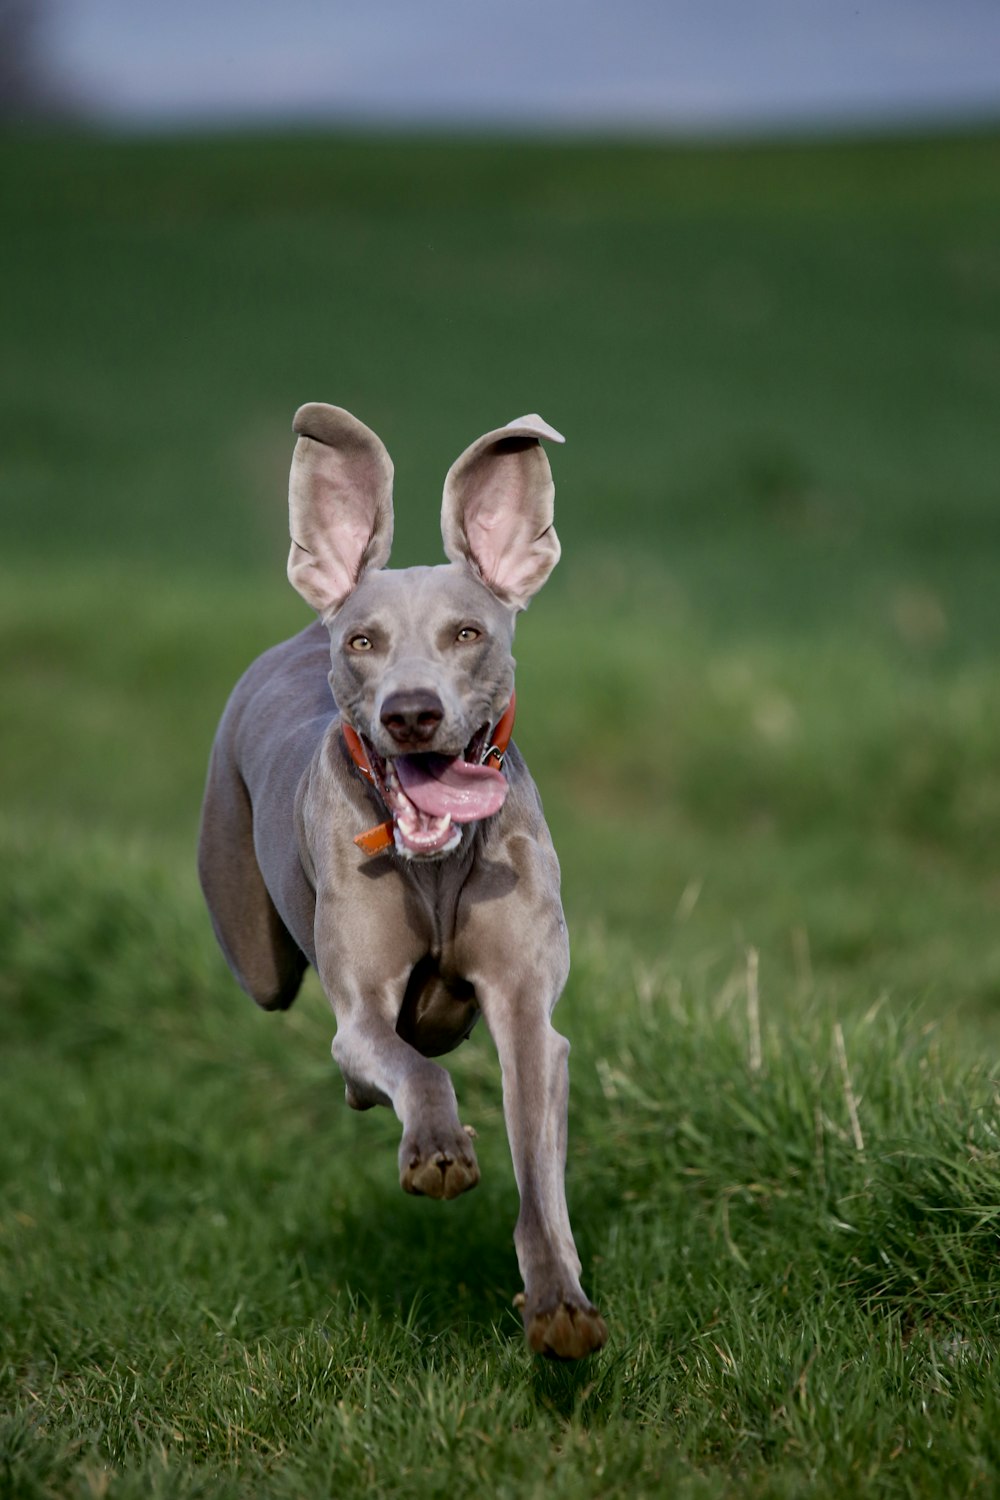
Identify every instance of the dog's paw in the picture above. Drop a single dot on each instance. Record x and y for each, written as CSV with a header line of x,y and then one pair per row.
x,y
564,1329
438,1168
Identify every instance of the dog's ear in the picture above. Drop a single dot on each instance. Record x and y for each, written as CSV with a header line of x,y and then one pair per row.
x,y
339,505
497,510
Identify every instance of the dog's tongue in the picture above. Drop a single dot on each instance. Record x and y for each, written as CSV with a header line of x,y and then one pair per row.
x,y
437,785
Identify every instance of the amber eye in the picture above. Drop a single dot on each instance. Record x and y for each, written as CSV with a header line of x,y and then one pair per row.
x,y
360,643
468,633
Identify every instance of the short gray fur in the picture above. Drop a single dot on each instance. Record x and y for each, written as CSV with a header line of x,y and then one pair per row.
x,y
409,950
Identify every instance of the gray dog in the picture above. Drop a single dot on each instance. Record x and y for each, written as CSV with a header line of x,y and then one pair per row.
x,y
449,906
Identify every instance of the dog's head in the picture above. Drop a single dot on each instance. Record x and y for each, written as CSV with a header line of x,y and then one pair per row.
x,y
421,657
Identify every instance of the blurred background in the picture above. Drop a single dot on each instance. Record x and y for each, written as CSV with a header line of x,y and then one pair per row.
x,y
745,254
747,258
676,66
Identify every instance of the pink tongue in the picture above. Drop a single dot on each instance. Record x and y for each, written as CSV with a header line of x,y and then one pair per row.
x,y
437,785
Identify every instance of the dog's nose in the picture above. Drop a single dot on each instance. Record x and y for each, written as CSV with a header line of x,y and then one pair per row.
x,y
412,718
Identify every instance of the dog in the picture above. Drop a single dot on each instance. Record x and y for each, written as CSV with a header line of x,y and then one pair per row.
x,y
396,706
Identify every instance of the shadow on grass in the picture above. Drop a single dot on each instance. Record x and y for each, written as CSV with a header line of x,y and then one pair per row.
x,y
443,1270
437,1264
572,1390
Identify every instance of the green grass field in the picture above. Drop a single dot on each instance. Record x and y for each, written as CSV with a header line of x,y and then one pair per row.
x,y
761,700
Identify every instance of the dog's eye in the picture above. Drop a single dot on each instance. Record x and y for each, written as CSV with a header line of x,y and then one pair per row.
x,y
360,643
468,633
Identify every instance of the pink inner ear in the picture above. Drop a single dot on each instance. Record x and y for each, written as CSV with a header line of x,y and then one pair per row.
x,y
335,534
349,538
333,573
343,558
497,512
505,514
340,515
501,547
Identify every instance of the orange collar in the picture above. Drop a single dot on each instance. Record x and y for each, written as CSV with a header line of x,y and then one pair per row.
x,y
375,840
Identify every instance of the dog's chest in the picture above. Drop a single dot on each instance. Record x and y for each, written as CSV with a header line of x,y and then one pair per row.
x,y
432,897
438,1008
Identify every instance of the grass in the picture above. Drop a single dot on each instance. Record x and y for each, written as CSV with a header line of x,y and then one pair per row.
x,y
760,699
213,1284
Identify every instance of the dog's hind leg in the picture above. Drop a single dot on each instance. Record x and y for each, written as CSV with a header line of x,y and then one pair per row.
x,y
258,947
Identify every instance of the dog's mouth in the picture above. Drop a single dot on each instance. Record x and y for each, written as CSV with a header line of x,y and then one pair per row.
x,y
431,796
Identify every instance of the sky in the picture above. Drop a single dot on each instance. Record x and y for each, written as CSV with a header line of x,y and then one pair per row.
x,y
635,65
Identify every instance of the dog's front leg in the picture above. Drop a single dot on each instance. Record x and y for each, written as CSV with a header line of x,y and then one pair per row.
x,y
436,1157
559,1319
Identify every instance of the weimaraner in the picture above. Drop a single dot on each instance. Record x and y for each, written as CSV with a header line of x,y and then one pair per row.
x,y
449,906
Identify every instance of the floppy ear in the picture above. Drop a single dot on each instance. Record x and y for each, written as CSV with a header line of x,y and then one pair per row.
x,y
497,510
339,505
